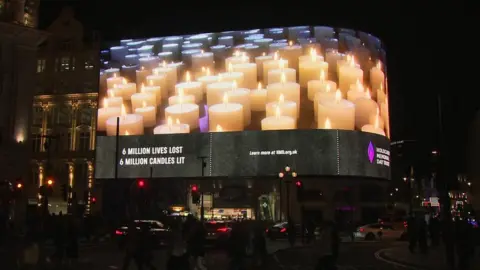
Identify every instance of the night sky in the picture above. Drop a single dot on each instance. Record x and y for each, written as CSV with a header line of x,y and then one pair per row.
x,y
428,48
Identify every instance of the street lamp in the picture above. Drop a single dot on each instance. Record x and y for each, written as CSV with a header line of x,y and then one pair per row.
x,y
287,176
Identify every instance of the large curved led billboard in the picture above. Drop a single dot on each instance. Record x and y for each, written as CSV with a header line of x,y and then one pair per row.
x,y
249,102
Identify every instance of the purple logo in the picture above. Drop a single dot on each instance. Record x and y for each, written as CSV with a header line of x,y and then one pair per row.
x,y
371,152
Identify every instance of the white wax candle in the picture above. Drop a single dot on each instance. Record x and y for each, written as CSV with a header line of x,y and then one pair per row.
x,y
181,98
377,120
232,77
356,91
144,98
115,80
290,91
114,101
105,113
311,71
322,96
249,71
273,64
340,112
149,114
204,59
372,129
332,57
349,74
384,112
206,80
171,77
288,108
185,113
241,96
112,72
275,75
260,60
191,88
377,77
216,91
171,128
229,116
381,95
321,85
258,99
278,122
130,124
158,79
291,53
126,89
236,59
312,57
364,107
154,90
141,76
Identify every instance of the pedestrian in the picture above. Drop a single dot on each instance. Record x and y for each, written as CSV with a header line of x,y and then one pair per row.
x,y
260,247
130,245
327,246
237,247
197,244
144,249
178,259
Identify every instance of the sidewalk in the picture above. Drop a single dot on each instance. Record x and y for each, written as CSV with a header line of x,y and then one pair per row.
x,y
435,259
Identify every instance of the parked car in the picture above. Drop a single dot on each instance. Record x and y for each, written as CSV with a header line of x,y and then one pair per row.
x,y
159,233
218,232
280,230
375,231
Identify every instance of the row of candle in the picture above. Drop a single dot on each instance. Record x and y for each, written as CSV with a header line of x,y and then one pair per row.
x,y
250,100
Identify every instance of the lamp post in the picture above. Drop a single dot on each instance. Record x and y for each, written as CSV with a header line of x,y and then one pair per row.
x,y
286,176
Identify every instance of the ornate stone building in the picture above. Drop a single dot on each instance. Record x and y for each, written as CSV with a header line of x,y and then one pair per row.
x,y
63,125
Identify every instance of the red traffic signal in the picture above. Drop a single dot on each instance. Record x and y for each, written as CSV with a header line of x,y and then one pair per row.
x,y
298,183
194,188
141,183
94,200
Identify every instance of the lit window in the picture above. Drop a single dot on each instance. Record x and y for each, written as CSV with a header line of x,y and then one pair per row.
x,y
65,64
88,64
40,65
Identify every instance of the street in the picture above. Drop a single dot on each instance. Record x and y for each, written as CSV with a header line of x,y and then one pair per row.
x,y
353,256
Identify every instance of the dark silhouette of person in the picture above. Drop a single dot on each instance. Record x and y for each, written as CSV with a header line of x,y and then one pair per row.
x,y
130,245
144,252
464,243
434,229
260,246
237,246
197,242
412,234
178,259
423,236
59,238
291,233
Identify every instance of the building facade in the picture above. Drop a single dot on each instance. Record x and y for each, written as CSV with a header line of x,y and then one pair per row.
x,y
62,131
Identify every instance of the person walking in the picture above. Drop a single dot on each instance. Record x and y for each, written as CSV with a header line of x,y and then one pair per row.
x,y
237,247
327,247
260,247
178,259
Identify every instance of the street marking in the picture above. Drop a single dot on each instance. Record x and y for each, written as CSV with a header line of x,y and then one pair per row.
x,y
379,257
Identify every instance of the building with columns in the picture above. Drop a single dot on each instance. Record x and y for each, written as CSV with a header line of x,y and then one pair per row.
x,y
62,130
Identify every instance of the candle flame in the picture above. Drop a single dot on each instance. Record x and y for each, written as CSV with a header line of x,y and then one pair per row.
x,y
105,103
124,81
142,67
142,88
322,75
278,113
359,86
313,54
115,86
368,95
338,96
328,125
259,86
151,82
234,85
203,69
126,133
208,71
275,56
379,65
144,104
263,54
181,92
155,72
327,88
281,98
201,51
169,121
283,79
230,67
177,121
111,93
244,58
187,76
225,98
219,128
219,77
378,111
381,87
352,61
114,75
124,110
164,63
281,64
236,53
290,43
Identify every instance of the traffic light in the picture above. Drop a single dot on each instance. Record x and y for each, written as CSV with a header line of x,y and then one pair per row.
x,y
141,183
299,186
93,200
195,194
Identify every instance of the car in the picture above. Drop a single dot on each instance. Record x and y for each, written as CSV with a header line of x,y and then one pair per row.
x,y
280,231
375,231
158,232
218,232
